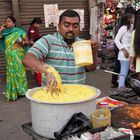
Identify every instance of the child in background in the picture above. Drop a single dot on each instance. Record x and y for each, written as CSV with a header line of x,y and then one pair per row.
x,y
34,35
33,31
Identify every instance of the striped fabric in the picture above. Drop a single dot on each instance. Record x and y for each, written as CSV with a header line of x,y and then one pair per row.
x,y
53,49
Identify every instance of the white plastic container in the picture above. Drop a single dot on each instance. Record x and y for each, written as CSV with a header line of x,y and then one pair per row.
x,y
48,118
83,53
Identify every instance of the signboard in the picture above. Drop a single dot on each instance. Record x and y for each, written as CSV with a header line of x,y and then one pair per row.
x,y
52,13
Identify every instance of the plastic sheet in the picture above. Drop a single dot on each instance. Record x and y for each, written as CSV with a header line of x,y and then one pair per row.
x,y
77,124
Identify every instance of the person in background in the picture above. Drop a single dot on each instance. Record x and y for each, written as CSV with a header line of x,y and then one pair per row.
x,y
123,41
56,50
135,45
33,31
34,35
14,42
116,68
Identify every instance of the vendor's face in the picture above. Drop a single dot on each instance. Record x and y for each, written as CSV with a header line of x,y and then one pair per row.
x,y
9,23
69,27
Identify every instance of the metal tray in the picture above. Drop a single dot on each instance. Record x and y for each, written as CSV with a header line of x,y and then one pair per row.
x,y
121,119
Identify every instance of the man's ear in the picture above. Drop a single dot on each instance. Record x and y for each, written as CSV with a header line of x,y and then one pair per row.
x,y
58,26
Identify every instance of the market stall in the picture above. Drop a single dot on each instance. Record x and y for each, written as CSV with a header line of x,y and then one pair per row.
x,y
77,113
89,120
104,21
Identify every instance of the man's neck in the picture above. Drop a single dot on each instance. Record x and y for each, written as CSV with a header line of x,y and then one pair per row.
x,y
69,41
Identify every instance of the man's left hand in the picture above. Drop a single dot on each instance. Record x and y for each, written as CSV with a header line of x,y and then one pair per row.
x,y
94,45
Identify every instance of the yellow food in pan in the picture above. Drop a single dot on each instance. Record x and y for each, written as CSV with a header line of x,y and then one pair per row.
x,y
71,93
68,93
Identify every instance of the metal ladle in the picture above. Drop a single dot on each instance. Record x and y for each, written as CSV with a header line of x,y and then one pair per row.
x,y
134,83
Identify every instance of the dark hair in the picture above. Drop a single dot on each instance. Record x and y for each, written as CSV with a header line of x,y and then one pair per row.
x,y
125,20
36,20
12,18
130,10
69,13
137,13
137,34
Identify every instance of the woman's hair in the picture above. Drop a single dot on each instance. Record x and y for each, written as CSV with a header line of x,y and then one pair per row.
x,y
69,13
12,18
125,20
137,34
130,10
137,13
36,20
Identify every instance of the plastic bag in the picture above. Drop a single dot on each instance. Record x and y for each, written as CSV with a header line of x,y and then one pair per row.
x,y
77,124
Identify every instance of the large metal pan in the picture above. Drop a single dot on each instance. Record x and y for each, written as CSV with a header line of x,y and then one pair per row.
x,y
48,118
134,81
121,118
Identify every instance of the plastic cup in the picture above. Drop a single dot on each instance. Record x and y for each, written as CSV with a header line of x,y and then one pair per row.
x,y
83,53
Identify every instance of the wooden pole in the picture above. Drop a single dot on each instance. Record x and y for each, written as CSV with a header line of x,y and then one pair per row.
x,y
15,9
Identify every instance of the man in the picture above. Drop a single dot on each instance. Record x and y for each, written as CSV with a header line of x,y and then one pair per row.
x,y
56,51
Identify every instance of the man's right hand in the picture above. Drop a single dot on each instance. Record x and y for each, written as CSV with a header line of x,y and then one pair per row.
x,y
34,64
52,85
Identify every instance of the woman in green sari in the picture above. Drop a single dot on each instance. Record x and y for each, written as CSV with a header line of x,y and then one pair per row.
x,y
13,42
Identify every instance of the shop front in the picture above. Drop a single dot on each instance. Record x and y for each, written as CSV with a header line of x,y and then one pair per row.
x,y
25,10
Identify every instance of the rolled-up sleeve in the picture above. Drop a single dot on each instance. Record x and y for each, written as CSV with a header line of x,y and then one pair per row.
x,y
40,48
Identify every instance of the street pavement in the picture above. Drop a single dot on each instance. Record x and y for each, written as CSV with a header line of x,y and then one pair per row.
x,y
15,113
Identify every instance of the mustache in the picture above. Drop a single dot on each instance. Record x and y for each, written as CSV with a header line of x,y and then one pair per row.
x,y
70,32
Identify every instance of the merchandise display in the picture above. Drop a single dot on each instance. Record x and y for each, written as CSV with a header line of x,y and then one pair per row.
x,y
108,26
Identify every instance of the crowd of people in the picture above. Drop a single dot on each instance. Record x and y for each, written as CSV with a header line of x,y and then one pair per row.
x,y
14,43
127,47
35,52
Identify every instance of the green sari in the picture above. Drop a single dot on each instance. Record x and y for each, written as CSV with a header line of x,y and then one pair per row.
x,y
16,80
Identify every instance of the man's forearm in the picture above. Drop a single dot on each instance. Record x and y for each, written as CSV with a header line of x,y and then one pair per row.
x,y
33,63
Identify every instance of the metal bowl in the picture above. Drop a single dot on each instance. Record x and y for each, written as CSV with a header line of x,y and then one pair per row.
x,y
48,118
134,82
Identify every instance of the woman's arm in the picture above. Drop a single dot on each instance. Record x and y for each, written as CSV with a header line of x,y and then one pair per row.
x,y
132,63
1,29
25,41
119,37
118,40
132,53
